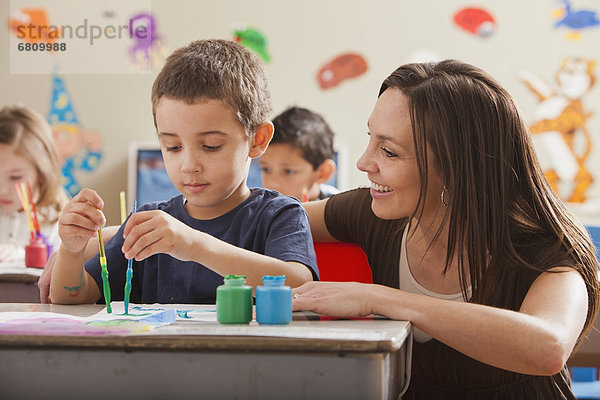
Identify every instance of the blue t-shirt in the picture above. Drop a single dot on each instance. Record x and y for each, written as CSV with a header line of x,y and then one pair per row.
x,y
266,223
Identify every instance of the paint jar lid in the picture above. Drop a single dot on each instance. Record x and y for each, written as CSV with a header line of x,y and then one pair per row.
x,y
273,280
234,280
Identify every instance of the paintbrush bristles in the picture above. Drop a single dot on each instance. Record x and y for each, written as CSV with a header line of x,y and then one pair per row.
x,y
22,193
36,223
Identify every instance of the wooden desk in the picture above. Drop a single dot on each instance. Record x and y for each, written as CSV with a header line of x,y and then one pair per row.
x,y
310,359
18,284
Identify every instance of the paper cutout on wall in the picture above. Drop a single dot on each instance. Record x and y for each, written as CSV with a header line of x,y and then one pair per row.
x,y
476,21
559,130
149,48
252,39
341,68
78,149
574,20
33,26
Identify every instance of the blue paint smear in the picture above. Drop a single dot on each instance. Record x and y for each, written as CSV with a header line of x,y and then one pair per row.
x,y
134,315
140,308
184,313
164,317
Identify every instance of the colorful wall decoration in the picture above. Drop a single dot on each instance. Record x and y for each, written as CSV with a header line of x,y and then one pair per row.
x,y
149,47
342,67
475,21
78,148
559,127
252,39
27,23
574,20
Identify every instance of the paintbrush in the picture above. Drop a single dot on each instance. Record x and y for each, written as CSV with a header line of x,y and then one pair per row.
x,y
129,273
105,284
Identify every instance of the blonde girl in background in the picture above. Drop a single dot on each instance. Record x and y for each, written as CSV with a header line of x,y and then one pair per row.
x,y
27,153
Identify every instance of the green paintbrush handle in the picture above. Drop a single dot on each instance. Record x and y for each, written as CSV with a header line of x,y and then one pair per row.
x,y
105,284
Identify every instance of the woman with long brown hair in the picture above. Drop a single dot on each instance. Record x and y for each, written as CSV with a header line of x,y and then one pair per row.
x,y
465,239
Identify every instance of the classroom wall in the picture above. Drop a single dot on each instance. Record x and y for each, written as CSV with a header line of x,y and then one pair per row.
x,y
302,36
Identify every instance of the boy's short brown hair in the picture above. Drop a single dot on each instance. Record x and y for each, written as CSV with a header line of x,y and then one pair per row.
x,y
306,130
216,69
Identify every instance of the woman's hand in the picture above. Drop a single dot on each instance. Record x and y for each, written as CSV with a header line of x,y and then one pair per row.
x,y
338,299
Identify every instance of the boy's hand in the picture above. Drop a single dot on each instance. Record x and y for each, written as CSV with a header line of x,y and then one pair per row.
x,y
80,220
151,232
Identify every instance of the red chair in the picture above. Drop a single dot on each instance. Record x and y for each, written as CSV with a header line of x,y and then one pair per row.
x,y
342,262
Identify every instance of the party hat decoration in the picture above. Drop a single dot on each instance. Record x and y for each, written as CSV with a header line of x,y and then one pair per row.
x,y
78,149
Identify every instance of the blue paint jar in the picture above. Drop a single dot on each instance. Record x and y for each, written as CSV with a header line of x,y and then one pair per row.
x,y
273,301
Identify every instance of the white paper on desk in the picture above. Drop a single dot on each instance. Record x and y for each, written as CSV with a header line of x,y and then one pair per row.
x,y
12,264
50,323
156,316
179,312
137,312
193,312
8,316
18,267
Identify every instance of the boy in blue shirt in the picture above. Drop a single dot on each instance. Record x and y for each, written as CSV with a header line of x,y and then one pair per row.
x,y
210,103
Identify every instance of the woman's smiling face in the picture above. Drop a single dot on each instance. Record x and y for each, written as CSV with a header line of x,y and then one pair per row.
x,y
391,164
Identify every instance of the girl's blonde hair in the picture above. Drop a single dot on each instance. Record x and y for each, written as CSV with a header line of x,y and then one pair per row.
x,y
31,137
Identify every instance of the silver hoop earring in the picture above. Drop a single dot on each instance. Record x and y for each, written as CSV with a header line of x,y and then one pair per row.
x,y
442,196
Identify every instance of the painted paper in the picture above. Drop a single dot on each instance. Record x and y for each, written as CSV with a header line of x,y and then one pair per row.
x,y
183,312
47,323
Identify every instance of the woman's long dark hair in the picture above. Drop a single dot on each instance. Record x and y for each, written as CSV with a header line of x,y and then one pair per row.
x,y
500,205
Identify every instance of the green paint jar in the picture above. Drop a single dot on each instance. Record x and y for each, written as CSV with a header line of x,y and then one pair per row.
x,y
234,301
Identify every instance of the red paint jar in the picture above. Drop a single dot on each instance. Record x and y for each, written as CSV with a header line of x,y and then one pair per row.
x,y
36,253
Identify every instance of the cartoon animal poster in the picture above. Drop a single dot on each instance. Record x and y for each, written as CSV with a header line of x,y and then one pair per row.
x,y
574,20
79,149
559,127
149,47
